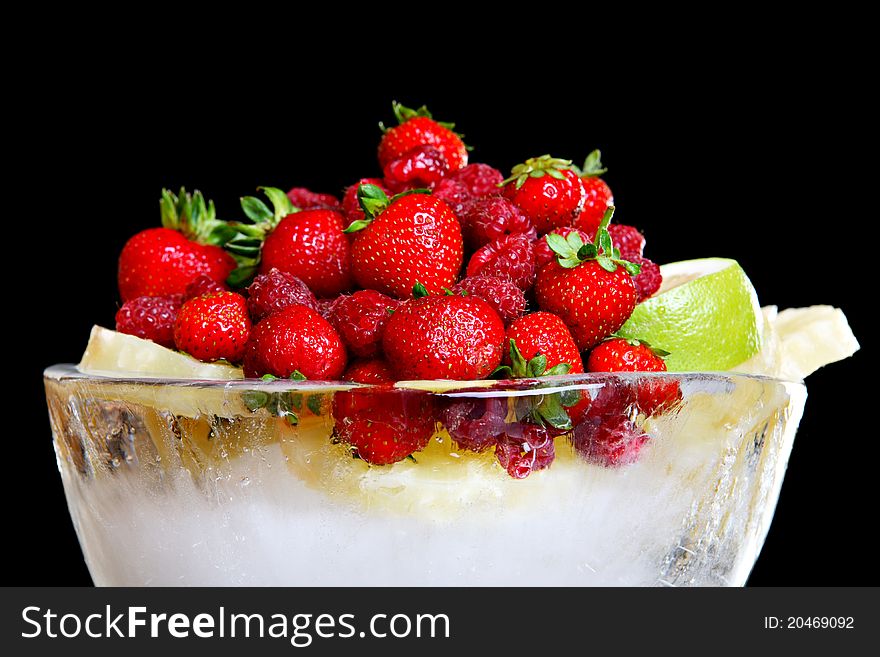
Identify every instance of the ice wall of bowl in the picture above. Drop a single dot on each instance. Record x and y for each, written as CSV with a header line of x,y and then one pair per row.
x,y
180,483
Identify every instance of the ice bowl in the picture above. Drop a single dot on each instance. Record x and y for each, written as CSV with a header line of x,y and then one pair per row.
x,y
182,482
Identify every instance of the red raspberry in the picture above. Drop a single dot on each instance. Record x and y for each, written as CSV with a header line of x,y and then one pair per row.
x,y
325,306
512,256
454,193
649,279
487,219
628,240
360,320
524,448
479,179
351,207
201,286
422,166
543,252
375,371
499,292
150,318
598,198
475,424
306,199
274,290
607,435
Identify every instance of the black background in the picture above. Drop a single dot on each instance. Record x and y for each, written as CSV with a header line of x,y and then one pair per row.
x,y
753,153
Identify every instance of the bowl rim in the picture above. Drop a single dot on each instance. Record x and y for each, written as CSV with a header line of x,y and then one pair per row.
x,y
63,372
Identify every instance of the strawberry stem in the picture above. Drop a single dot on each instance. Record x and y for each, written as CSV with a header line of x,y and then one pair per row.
x,y
537,167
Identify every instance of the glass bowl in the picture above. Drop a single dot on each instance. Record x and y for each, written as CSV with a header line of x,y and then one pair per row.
x,y
180,482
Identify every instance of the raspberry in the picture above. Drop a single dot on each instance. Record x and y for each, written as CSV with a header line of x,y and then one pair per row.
x,y
524,448
275,290
479,179
607,434
375,371
501,293
512,256
150,318
201,286
628,240
487,219
306,199
325,306
454,193
649,279
544,254
351,207
360,320
475,423
420,167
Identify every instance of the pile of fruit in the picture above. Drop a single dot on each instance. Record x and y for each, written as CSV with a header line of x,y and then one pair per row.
x,y
439,269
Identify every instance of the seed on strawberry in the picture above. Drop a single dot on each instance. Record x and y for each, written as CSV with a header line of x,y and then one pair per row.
x,y
202,285
411,238
295,338
597,195
589,286
274,290
525,448
306,199
150,318
622,355
422,166
649,279
488,219
546,334
163,261
512,256
213,327
375,371
418,128
360,321
627,239
543,252
548,190
499,292
444,337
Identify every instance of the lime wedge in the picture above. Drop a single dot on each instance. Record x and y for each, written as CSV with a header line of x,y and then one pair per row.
x,y
118,354
706,315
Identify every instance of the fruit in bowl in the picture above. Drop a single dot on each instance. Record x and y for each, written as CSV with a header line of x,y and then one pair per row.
x,y
447,377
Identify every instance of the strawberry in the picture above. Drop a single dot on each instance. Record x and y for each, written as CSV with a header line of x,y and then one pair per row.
x,y
546,334
294,339
418,128
202,285
543,252
163,261
214,326
411,238
351,206
443,337
548,190
305,199
422,166
597,195
589,286
623,355
309,244
375,371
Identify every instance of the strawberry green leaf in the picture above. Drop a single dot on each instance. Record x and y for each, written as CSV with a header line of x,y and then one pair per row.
x,y
587,252
593,165
551,411
603,241
280,202
314,404
417,190
606,263
558,369
372,201
419,291
559,245
355,226
554,173
569,263
255,399
297,376
255,210
537,365
502,372
632,268
241,276
569,397
574,240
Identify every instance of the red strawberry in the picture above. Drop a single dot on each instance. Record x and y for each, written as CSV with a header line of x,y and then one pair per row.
x,y
306,199
490,218
499,292
151,318
543,252
548,190
420,167
512,256
213,327
588,285
622,355
375,371
417,128
396,424
274,290
444,337
360,320
351,206
311,246
202,285
293,339
163,261
597,195
413,238
546,334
